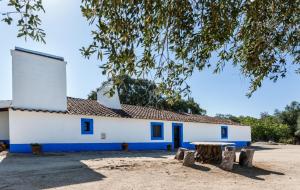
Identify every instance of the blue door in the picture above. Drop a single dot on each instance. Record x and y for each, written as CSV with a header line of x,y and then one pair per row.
x,y
177,135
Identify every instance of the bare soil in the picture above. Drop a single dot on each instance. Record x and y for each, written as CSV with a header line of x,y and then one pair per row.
x,y
275,167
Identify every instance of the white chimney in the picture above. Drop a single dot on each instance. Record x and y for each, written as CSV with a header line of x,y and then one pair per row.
x,y
104,98
38,80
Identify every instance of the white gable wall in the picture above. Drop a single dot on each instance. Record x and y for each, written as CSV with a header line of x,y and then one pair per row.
x,y
104,98
38,82
4,125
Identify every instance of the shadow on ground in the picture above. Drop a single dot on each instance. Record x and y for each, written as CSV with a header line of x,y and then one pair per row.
x,y
258,147
62,177
253,172
52,170
45,171
102,154
200,167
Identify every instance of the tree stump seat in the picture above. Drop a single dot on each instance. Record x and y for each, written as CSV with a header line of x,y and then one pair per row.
x,y
189,158
231,148
246,157
228,157
180,153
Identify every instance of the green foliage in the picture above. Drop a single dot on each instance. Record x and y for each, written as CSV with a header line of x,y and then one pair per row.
x,y
185,106
92,95
174,38
297,133
267,128
289,116
28,21
137,91
143,92
288,141
283,126
229,116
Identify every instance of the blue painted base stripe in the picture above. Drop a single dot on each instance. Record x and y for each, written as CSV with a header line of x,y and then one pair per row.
x,y
76,147
241,144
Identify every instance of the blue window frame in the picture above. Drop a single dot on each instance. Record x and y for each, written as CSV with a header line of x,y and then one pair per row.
x,y
157,131
224,132
87,126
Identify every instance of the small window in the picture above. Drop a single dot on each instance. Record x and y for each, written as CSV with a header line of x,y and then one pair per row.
x,y
87,126
157,131
224,132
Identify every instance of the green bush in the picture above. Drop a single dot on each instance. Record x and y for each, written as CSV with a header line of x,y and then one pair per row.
x,y
267,128
287,141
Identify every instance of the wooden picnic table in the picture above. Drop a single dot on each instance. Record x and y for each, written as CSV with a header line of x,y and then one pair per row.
x,y
210,152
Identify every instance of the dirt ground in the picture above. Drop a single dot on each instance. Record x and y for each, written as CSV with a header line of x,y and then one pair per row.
x,y
276,167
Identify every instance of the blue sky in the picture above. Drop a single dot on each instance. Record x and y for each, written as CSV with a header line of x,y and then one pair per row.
x,y
67,32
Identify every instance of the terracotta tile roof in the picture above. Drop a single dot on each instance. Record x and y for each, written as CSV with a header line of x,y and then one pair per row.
x,y
91,107
77,106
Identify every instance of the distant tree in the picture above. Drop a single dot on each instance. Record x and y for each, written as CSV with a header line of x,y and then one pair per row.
x,y
135,92
267,128
229,116
140,92
297,133
264,115
185,106
92,95
143,92
289,116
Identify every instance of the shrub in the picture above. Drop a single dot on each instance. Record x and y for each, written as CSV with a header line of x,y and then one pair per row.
x,y
267,128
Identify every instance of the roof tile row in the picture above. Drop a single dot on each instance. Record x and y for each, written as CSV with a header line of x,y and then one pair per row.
x,y
77,106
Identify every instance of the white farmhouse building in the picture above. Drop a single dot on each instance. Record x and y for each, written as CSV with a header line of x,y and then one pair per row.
x,y
40,112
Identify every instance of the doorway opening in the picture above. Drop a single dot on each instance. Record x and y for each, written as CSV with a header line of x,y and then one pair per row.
x,y
177,135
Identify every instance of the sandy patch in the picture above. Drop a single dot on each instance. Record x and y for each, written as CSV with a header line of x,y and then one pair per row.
x,y
276,167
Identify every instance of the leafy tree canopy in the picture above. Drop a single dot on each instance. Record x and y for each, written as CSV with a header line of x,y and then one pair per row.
x,y
172,39
175,38
229,116
143,92
297,133
25,12
290,115
267,128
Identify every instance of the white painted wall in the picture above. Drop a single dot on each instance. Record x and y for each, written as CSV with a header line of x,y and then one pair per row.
x,y
38,82
34,127
212,132
104,98
4,125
